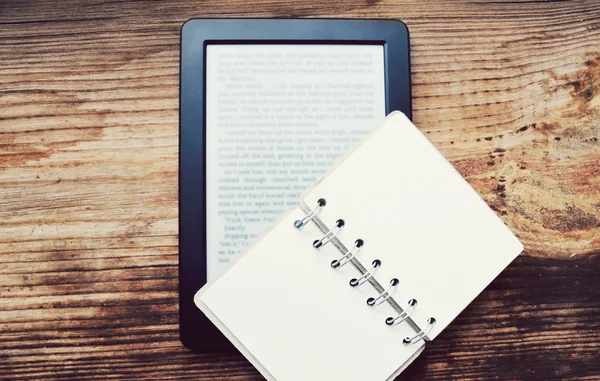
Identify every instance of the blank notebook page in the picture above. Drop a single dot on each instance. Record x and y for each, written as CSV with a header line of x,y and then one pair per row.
x,y
418,215
296,318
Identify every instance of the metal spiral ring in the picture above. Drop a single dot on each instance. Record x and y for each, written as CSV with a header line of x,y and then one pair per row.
x,y
339,224
354,282
419,336
404,315
349,255
300,223
374,302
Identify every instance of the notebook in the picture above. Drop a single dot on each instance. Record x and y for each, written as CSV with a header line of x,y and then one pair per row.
x,y
379,257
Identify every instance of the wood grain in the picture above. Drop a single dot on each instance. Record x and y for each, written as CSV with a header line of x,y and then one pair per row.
x,y
509,91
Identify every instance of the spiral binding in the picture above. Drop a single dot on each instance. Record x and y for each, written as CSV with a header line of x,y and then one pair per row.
x,y
338,263
319,243
374,302
404,315
320,205
419,336
356,282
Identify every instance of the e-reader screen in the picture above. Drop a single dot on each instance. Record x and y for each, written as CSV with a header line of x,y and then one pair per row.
x,y
277,117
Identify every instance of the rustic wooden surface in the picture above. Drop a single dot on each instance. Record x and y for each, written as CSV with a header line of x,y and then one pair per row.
x,y
508,90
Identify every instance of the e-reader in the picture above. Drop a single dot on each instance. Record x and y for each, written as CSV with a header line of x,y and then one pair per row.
x,y
266,106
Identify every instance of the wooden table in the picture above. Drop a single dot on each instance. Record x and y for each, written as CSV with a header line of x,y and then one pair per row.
x,y
509,91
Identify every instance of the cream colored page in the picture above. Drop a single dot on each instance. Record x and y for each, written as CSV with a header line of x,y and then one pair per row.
x,y
416,214
299,318
277,116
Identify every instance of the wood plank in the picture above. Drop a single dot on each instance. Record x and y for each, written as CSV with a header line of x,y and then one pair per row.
x,y
509,91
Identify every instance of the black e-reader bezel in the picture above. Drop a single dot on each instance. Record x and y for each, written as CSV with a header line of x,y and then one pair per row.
x,y
196,331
